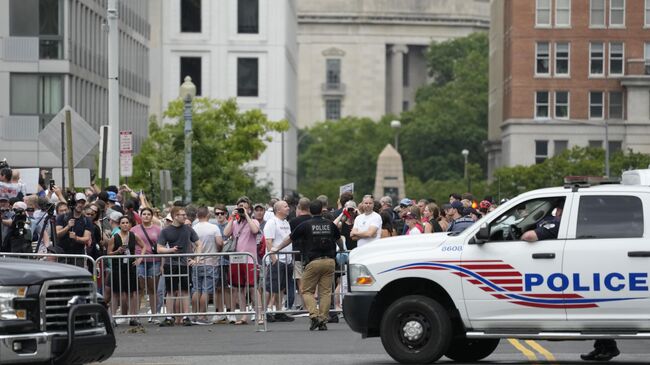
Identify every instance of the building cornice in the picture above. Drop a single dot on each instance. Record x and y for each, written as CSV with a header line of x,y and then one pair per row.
x,y
418,19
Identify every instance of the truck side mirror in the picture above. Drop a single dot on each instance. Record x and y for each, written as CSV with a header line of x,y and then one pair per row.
x,y
482,236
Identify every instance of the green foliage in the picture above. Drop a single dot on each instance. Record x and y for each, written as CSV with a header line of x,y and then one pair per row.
x,y
224,140
579,161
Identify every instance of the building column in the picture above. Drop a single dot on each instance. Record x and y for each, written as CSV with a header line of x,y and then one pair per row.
x,y
397,53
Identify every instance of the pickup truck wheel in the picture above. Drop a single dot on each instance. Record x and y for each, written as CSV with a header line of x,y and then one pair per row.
x,y
415,330
465,350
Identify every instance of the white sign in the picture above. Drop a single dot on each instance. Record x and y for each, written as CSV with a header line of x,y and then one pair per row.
x,y
126,164
126,141
347,187
29,177
81,177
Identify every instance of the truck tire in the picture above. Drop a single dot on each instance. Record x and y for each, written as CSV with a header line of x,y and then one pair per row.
x,y
467,350
415,330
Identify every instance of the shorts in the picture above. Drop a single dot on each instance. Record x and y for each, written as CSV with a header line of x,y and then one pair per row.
x,y
203,279
149,269
278,277
242,275
176,277
123,277
298,269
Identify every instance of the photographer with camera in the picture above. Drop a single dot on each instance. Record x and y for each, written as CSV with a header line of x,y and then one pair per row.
x,y
19,235
74,230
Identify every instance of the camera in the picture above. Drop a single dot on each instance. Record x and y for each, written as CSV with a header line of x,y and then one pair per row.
x,y
19,221
350,210
71,200
4,164
240,211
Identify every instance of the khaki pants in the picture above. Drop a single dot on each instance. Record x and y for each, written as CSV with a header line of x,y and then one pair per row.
x,y
318,273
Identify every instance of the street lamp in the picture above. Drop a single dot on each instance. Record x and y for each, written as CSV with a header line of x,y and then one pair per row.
x,y
465,153
396,125
187,93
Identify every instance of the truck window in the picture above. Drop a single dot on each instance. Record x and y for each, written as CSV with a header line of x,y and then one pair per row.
x,y
609,216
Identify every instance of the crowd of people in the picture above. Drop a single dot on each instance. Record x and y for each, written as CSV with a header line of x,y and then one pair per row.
x,y
120,222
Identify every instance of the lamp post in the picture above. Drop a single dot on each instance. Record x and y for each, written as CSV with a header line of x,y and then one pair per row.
x,y
465,153
187,93
396,125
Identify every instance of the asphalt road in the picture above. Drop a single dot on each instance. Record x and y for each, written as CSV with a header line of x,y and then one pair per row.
x,y
292,343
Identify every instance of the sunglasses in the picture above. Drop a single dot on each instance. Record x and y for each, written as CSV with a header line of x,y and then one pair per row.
x,y
219,213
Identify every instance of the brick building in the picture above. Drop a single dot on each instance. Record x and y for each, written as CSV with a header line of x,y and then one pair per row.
x,y
560,71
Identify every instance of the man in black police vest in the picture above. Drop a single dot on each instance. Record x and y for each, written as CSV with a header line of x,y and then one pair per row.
x,y
320,238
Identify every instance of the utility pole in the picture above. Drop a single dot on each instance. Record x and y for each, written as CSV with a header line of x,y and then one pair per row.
x,y
113,151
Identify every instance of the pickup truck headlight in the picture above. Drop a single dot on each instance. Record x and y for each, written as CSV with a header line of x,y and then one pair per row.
x,y
360,276
7,296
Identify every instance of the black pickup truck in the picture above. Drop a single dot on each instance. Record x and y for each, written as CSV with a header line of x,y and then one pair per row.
x,y
49,314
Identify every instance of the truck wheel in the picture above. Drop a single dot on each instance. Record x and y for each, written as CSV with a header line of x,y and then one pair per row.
x,y
465,350
415,329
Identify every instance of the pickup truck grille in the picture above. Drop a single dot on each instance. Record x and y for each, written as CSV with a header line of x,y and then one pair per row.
x,y
59,295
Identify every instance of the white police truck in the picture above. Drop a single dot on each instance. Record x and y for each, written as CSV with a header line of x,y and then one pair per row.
x,y
457,295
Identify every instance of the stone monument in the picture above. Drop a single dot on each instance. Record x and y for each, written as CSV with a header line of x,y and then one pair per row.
x,y
390,175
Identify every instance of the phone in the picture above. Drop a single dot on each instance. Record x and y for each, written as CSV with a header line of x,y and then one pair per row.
x,y
52,183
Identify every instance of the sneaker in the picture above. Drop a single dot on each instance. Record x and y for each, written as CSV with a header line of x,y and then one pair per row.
x,y
221,320
187,322
281,317
168,322
134,322
322,326
231,319
270,318
202,322
601,355
315,323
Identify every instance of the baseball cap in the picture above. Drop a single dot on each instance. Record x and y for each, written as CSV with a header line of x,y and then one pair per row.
x,y
485,205
112,196
409,215
457,205
258,205
20,205
168,217
80,196
406,202
115,216
3,197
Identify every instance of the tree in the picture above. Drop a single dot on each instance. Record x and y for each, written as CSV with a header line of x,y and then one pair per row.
x,y
224,140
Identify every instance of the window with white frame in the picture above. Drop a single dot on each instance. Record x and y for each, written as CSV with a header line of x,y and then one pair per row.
x,y
542,59
541,151
543,13
333,109
597,13
647,13
616,58
562,13
617,13
615,105
541,105
562,59
596,58
595,105
562,104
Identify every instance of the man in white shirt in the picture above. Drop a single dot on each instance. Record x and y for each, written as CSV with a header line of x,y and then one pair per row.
x,y
204,277
367,225
279,274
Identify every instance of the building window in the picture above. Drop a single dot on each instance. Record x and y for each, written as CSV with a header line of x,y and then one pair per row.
x,y
562,59
596,144
647,13
562,13
617,13
562,104
42,19
541,105
596,59
40,95
247,77
543,13
542,59
559,147
541,151
333,109
191,16
405,70
615,146
597,13
616,57
615,105
595,105
405,105
248,17
191,66
646,56
333,73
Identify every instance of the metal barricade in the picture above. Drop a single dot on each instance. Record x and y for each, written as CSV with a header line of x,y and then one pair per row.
x,y
281,274
198,288
83,261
